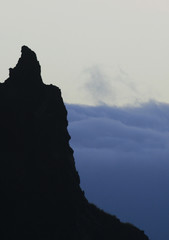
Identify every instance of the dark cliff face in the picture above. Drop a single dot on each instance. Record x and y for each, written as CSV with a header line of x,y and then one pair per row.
x,y
40,193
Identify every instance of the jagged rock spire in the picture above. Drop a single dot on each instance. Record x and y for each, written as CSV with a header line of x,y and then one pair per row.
x,y
27,72
40,189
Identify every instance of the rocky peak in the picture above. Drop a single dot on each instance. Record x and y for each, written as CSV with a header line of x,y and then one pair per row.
x,y
27,72
40,189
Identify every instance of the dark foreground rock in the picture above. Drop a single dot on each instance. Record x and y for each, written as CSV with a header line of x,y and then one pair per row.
x,y
40,193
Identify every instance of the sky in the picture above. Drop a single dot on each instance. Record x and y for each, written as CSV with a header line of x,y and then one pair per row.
x,y
123,44
111,60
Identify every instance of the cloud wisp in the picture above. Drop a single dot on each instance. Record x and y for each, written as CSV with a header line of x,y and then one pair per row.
x,y
122,157
102,83
98,85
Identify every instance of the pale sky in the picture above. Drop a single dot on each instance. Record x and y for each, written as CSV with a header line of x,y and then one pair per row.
x,y
97,51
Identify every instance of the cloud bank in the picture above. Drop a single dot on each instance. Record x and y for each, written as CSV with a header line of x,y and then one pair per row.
x,y
122,154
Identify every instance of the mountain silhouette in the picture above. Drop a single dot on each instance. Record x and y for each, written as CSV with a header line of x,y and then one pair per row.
x,y
40,189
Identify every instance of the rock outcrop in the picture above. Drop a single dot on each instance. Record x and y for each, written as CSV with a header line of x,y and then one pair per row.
x,y
40,189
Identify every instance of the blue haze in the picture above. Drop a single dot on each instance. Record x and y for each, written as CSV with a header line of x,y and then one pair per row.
x,y
122,155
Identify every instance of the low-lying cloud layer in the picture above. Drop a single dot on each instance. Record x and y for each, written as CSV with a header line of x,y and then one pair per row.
x,y
122,157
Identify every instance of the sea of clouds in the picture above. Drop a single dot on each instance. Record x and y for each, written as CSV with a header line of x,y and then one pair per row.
x,y
122,155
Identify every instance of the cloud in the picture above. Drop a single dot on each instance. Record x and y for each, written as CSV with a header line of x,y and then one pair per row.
x,y
122,154
102,83
98,85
